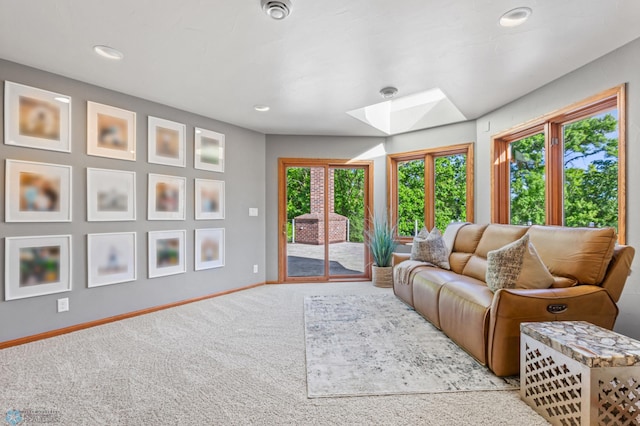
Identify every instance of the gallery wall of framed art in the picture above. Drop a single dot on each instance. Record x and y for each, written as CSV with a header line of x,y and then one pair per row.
x,y
96,185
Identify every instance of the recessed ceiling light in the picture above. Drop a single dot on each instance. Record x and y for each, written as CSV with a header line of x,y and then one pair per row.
x,y
388,92
62,99
108,52
261,108
276,9
515,17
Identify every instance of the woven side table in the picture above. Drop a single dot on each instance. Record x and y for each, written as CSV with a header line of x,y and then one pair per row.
x,y
576,373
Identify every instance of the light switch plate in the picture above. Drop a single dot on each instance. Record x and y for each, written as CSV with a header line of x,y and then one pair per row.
x,y
253,211
63,304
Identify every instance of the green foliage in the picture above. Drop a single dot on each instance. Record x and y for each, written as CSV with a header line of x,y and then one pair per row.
x,y
450,190
590,175
591,172
381,240
410,196
527,180
349,200
450,193
298,191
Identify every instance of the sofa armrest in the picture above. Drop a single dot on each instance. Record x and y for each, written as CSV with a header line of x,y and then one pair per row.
x,y
511,307
399,257
618,271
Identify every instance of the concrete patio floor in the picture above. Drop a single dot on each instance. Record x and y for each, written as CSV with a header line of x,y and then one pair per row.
x,y
305,260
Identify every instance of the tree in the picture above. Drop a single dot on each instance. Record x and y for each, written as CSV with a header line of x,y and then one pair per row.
x,y
410,196
450,190
349,200
590,174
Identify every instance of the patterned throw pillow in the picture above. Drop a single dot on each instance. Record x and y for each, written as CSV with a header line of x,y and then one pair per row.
x,y
431,249
504,264
517,265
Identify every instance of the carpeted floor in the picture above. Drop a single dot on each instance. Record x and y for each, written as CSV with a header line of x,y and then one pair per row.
x,y
376,345
233,360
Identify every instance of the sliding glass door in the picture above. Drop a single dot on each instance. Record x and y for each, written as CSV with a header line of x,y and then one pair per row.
x,y
323,205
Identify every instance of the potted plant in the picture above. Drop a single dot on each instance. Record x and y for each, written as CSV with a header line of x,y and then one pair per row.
x,y
381,245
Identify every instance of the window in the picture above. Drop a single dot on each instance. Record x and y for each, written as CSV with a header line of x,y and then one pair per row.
x,y
430,188
566,168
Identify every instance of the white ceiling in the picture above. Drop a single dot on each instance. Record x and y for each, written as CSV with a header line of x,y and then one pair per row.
x,y
218,58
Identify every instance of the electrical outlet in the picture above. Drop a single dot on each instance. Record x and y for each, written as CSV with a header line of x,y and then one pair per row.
x,y
63,304
253,211
255,269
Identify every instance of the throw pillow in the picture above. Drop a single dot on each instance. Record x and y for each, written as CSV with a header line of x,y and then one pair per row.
x,y
517,265
431,249
534,273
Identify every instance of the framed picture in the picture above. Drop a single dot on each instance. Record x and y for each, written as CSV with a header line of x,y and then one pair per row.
x,y
209,199
166,142
166,197
35,266
111,132
111,195
209,248
209,150
166,253
111,258
37,192
36,118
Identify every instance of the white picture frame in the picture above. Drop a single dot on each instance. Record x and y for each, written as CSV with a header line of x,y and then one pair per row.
x,y
111,132
209,199
167,253
36,118
166,197
209,248
37,192
111,258
111,195
38,265
166,142
209,150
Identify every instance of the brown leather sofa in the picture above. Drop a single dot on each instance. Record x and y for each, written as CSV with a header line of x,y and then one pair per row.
x,y
589,271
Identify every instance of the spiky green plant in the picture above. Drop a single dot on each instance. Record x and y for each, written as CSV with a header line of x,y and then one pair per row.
x,y
381,240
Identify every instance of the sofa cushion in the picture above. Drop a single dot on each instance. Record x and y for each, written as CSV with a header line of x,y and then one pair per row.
x,y
580,253
517,265
431,249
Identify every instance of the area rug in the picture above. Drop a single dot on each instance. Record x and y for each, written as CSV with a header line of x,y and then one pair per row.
x,y
377,345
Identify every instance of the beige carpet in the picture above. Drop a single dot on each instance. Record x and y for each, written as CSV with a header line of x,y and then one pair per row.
x,y
233,360
376,345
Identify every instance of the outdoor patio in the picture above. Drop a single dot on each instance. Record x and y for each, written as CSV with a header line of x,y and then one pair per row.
x,y
307,260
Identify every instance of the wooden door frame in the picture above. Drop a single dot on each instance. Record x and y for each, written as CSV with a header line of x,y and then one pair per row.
x,y
283,164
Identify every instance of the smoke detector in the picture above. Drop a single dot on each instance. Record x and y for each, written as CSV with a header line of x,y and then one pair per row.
x,y
276,9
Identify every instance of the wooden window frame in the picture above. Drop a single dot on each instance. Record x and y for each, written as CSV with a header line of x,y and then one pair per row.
x,y
429,156
551,125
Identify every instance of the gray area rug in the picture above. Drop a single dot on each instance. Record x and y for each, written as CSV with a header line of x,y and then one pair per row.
x,y
377,345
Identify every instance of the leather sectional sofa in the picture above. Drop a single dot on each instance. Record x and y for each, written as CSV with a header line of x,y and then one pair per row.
x,y
589,271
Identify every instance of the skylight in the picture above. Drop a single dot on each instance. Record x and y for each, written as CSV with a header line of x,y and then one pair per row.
x,y
422,110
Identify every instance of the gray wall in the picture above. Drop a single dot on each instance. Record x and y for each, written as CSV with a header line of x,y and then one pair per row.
x,y
620,66
244,177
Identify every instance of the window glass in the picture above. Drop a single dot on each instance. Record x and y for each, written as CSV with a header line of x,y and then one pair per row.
x,y
527,181
590,158
450,190
410,197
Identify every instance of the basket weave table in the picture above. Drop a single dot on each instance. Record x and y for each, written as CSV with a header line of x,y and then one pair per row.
x,y
576,373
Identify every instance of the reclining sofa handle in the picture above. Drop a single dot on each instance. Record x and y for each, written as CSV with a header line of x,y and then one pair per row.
x,y
556,308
